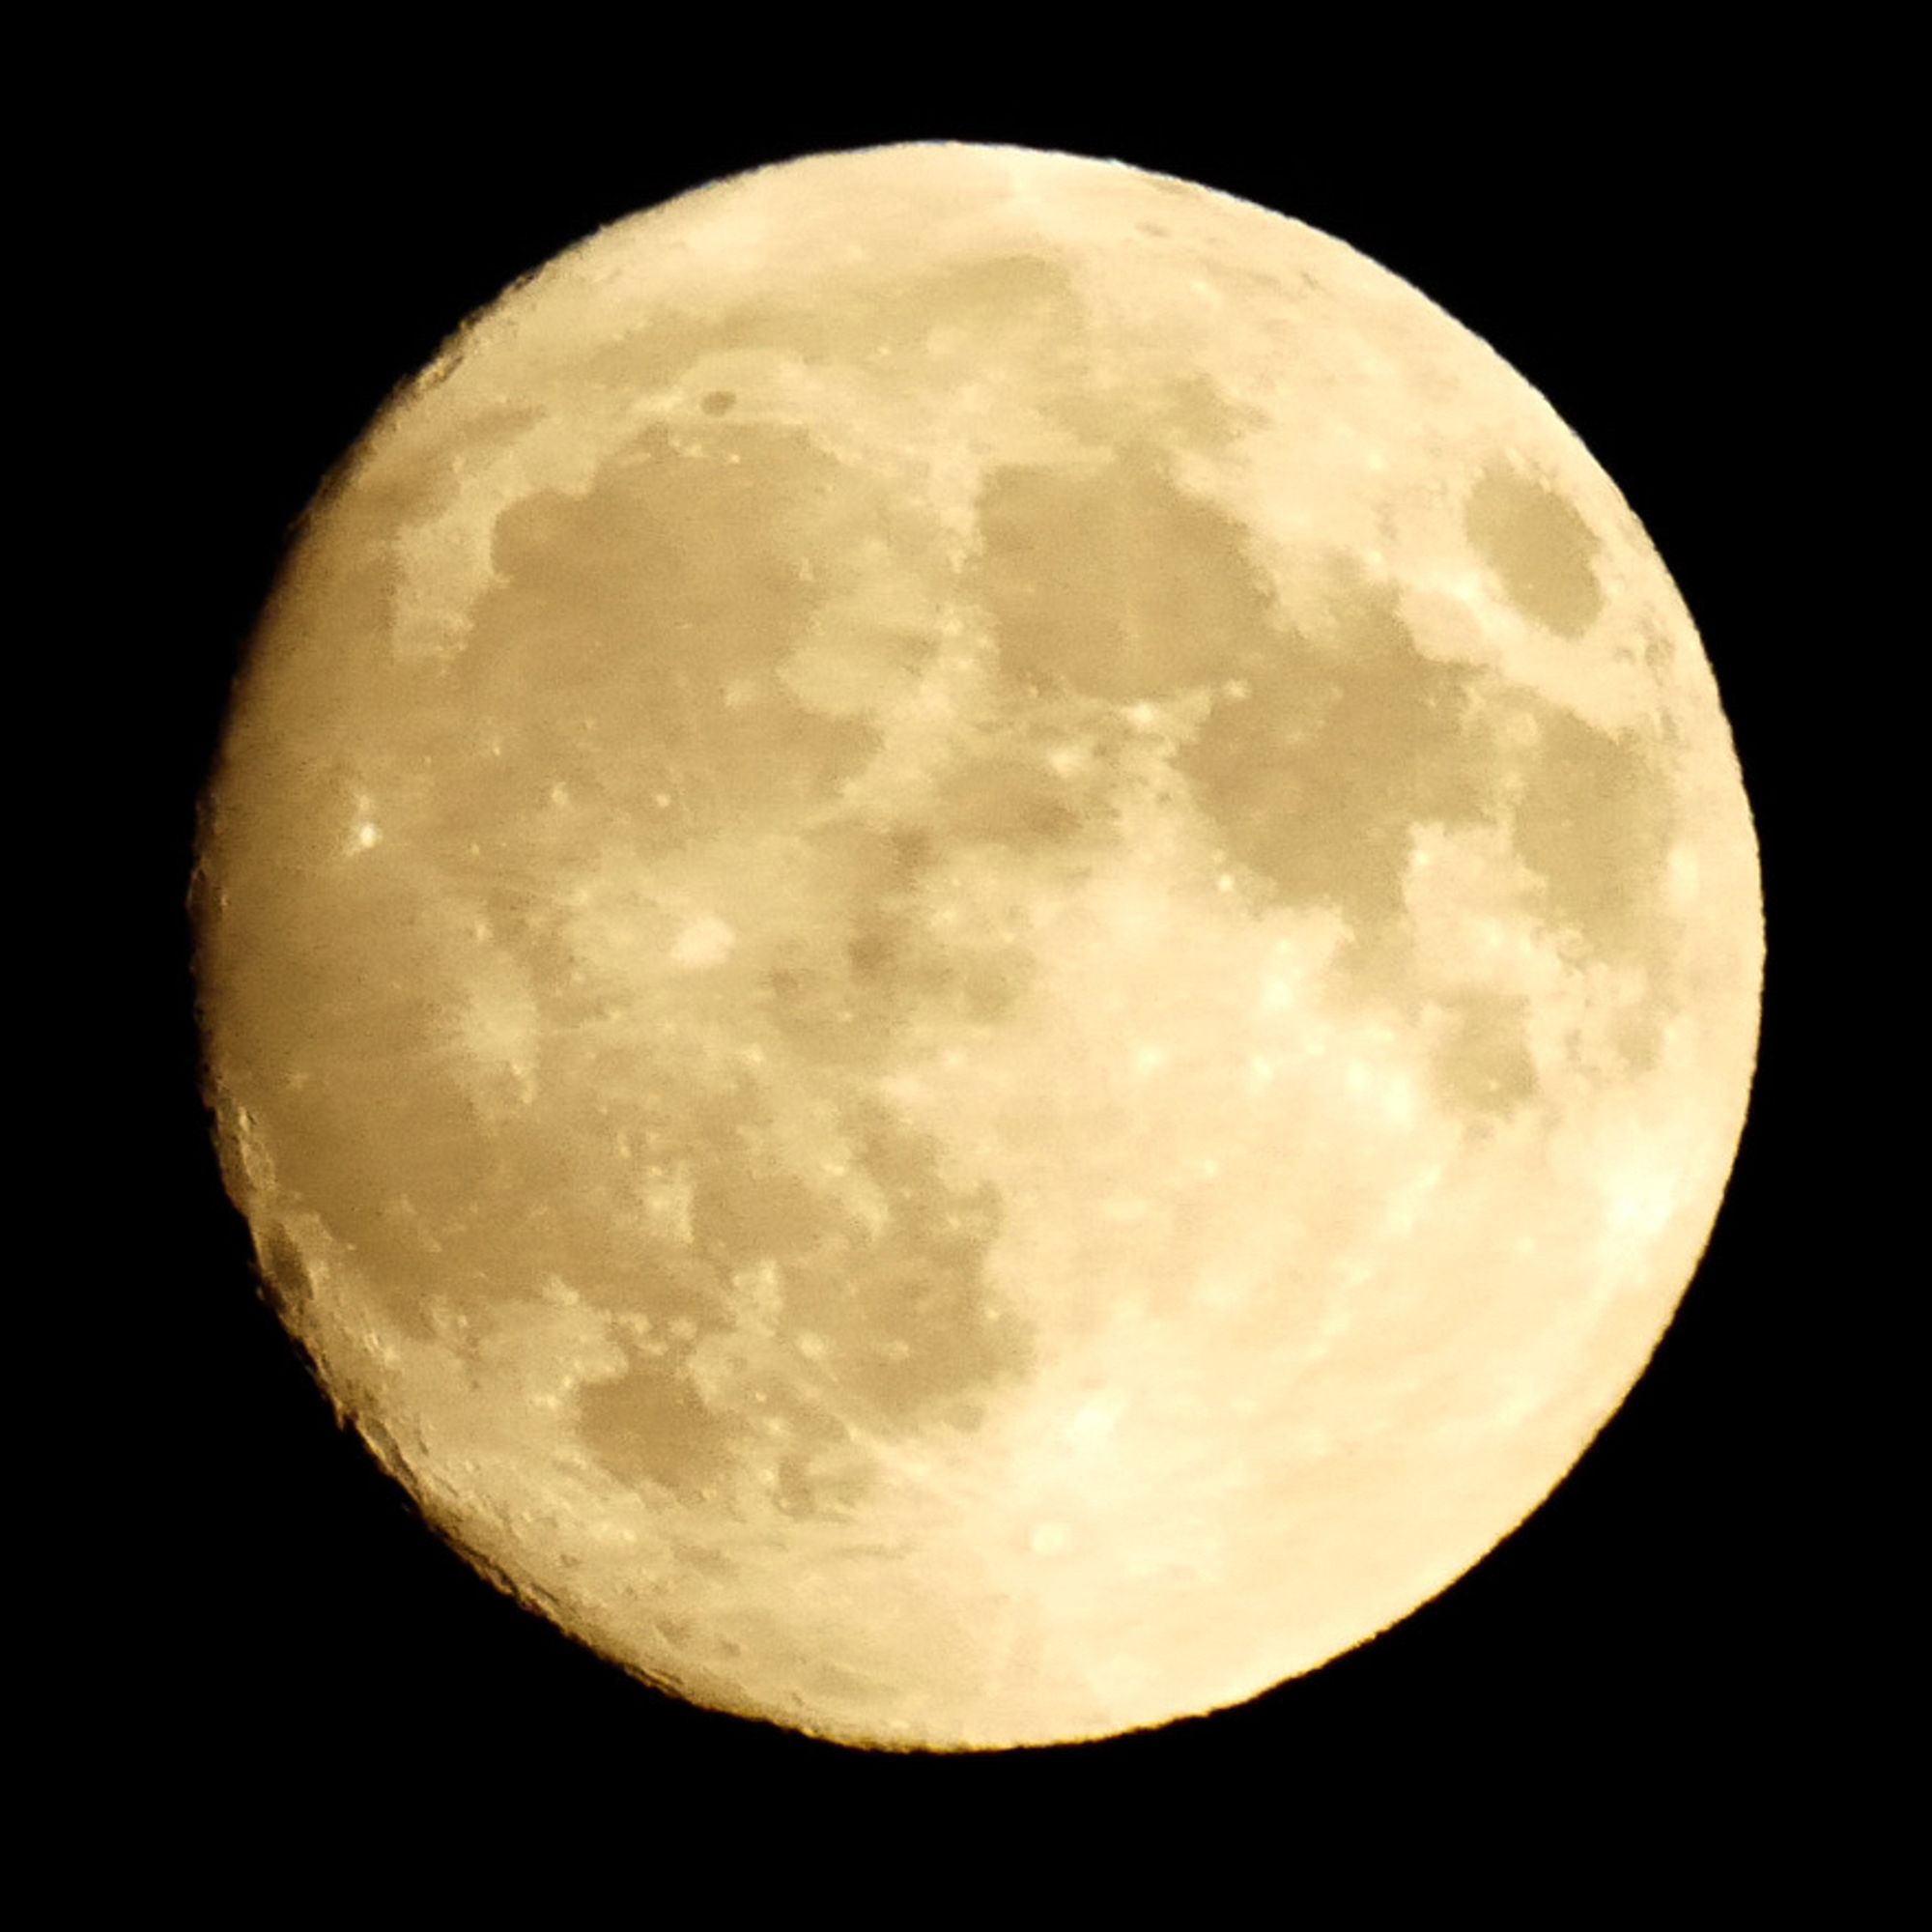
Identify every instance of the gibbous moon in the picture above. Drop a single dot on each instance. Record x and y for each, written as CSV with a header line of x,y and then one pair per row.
x,y
977,944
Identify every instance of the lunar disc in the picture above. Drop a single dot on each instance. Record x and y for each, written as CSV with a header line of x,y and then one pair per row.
x,y
978,946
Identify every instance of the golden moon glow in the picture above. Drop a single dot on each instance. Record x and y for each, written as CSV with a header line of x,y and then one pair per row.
x,y
978,946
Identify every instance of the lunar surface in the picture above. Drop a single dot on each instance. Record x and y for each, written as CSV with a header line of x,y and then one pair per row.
x,y
978,946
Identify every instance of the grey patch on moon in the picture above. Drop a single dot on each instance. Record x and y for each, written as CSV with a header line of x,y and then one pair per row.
x,y
800,1316
1113,583
609,668
656,667
1343,743
1595,822
1330,740
1339,742
854,1329
1541,552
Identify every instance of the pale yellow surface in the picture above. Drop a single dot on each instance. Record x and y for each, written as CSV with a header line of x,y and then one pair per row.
x,y
980,947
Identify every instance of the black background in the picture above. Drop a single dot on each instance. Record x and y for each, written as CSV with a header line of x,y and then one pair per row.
x,y
285,1634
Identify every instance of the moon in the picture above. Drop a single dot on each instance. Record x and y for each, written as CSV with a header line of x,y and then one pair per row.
x,y
978,946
